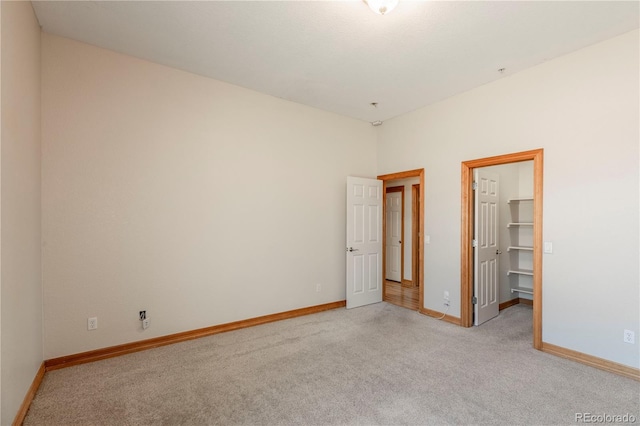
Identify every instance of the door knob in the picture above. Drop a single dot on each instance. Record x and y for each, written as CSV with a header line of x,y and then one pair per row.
x,y
351,249
498,252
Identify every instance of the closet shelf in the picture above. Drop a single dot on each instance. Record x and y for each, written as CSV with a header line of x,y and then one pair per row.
x,y
519,248
522,290
513,224
520,272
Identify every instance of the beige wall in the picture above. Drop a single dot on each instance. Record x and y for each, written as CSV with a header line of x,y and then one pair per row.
x,y
21,290
582,108
198,201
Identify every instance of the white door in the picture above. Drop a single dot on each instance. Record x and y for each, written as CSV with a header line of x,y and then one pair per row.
x,y
364,241
394,236
485,272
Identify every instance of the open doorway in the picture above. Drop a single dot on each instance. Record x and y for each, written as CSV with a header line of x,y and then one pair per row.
x,y
503,238
469,169
395,237
403,244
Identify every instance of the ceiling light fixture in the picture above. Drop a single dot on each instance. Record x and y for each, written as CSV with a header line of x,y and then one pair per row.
x,y
381,6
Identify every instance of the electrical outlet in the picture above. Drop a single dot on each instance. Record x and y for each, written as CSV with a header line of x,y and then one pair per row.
x,y
92,323
446,295
629,337
143,315
318,288
145,323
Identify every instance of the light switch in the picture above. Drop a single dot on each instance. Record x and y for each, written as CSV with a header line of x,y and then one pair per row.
x,y
548,247
427,239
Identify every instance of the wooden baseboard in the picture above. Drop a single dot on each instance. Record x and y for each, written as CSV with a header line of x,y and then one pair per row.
x,y
31,393
436,314
593,361
516,301
508,304
113,351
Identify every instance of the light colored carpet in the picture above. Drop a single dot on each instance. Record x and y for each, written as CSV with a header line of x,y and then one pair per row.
x,y
375,365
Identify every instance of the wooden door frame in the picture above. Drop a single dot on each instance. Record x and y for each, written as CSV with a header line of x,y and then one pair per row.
x,y
388,190
419,173
466,235
415,233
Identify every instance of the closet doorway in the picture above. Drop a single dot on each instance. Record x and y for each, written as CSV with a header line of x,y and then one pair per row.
x,y
469,170
403,241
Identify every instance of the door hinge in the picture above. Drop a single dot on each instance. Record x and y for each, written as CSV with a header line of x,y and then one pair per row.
x,y
474,300
474,185
474,243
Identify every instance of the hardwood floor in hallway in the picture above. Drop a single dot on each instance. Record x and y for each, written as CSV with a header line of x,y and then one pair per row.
x,y
407,297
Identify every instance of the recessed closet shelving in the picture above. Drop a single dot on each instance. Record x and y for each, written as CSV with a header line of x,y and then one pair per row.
x,y
521,245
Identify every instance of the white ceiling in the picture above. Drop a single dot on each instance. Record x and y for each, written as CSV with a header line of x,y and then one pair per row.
x,y
338,55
